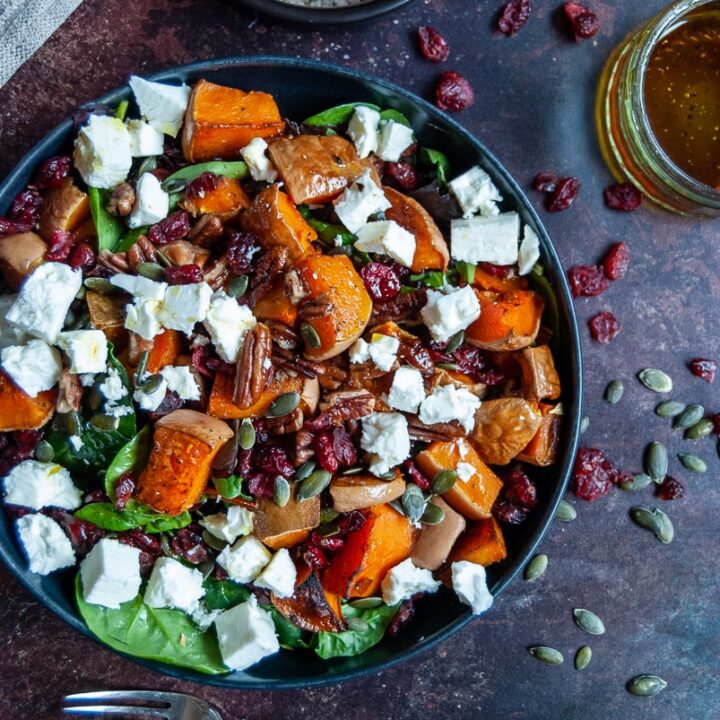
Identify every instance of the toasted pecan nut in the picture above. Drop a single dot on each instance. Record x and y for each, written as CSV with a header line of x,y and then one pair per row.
x,y
122,200
254,366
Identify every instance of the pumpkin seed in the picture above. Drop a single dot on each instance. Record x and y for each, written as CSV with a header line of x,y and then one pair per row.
x,y
328,530
246,434
95,399
689,416
692,462
353,470
310,335
100,285
175,185
214,542
238,286
314,484
104,422
646,685
565,512
207,567
283,404
396,505
357,624
700,430
44,451
162,260
73,425
614,392
433,515
584,424
656,380
639,481
305,470
548,655
669,408
327,515
366,603
645,519
141,368
443,481
281,491
536,568
81,293
453,367
413,503
666,532
151,271
588,621
455,342
656,461
152,384
583,657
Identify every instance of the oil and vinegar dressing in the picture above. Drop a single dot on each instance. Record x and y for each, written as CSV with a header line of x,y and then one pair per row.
x,y
682,95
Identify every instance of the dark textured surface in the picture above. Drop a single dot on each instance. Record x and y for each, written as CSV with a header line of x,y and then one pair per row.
x,y
535,110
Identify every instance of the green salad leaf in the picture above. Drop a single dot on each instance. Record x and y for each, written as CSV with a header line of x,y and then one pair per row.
x,y
395,116
437,162
109,229
337,115
230,487
291,636
223,594
121,109
168,636
133,516
131,238
466,270
355,642
234,169
327,232
132,456
432,279
551,316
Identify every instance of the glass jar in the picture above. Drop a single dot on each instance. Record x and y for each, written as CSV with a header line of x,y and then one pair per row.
x,y
628,143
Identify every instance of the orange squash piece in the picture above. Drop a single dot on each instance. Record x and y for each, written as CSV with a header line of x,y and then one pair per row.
x,y
431,250
358,568
472,498
276,306
278,223
508,320
283,527
65,207
19,411
20,254
334,279
225,200
184,445
542,449
220,121
167,348
107,313
481,543
483,280
540,380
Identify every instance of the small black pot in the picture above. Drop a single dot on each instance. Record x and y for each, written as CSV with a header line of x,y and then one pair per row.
x,y
319,16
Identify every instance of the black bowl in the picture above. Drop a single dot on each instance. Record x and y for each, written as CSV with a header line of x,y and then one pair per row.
x,y
322,16
303,87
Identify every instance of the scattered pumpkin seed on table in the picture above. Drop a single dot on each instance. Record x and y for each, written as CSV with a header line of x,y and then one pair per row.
x,y
614,391
656,461
584,424
656,380
689,416
536,568
646,685
639,481
588,621
669,408
656,521
565,512
583,657
547,655
692,462
700,429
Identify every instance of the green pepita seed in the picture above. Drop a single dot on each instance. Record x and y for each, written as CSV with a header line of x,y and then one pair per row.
x,y
281,491
357,624
443,481
448,366
162,260
104,422
238,286
536,567
656,461
689,416
646,685
95,399
304,470
656,380
152,384
666,533
70,318
639,481
283,404
614,391
588,621
246,434
81,293
584,424
669,408
214,542
583,657
314,484
44,451
151,271
328,530
548,655
692,462
700,430
565,512
73,425
353,470
455,342
327,515
413,503
366,603
206,567
174,185
310,335
141,368
645,519
100,285
433,515
396,505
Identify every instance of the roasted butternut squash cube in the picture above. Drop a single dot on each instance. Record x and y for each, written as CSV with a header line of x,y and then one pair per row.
x,y
484,280
540,380
283,527
276,305
481,543
107,313
19,411
225,200
166,349
65,207
20,254
542,449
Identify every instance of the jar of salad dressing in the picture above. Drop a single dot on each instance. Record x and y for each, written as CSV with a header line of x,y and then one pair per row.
x,y
658,108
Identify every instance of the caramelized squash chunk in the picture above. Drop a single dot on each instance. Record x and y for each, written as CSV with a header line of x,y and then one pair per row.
x,y
19,411
481,543
65,207
484,280
225,200
542,449
282,527
107,313
20,254
540,380
276,305
166,349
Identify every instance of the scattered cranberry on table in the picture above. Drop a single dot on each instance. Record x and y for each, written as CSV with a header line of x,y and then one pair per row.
x,y
624,197
513,16
433,45
617,261
584,22
604,327
564,195
704,369
671,489
453,92
587,281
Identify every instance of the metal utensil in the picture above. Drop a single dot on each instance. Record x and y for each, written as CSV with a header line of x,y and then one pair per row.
x,y
139,703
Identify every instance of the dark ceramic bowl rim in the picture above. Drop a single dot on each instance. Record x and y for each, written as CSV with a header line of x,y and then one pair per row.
x,y
321,16
195,70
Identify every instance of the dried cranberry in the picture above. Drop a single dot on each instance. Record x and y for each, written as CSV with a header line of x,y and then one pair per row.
x,y
716,422
323,446
625,197
604,327
124,489
508,512
351,521
416,476
403,175
474,362
584,21
52,172
25,208
453,92
170,402
519,489
593,474
204,360
432,44
329,544
381,281
498,271
240,250
343,447
564,194
671,489
183,274
402,618
704,369
275,461
617,261
83,534
61,245
260,484
82,256
173,227
189,545
587,281
546,182
314,557
513,16
11,227
149,546
201,185
16,447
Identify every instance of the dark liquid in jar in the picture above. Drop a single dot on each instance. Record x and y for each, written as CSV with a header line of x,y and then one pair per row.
x,y
682,96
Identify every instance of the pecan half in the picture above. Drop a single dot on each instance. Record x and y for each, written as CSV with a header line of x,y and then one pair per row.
x,y
415,354
122,200
271,265
117,262
303,446
70,392
141,251
285,424
319,306
254,367
399,308
217,273
182,252
283,336
347,405
442,432
295,287
206,231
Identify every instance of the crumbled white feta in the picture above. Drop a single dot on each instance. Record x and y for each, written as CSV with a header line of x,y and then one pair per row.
x,y
407,390
34,367
163,106
112,387
76,442
386,237
142,318
46,545
140,287
383,350
86,349
405,580
174,585
464,471
228,322
529,252
145,140
110,573
37,485
475,192
246,634
103,153
481,239
231,525
184,306
87,379
150,401
44,300
259,165
447,403
447,314
462,447
395,139
359,201
9,334
469,581
386,437
363,130
244,560
279,575
203,617
360,351
152,203
181,381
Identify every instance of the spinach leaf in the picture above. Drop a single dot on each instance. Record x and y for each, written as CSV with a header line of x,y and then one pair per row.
x,y
168,636
336,115
131,238
395,116
551,316
132,456
466,270
290,636
437,162
223,594
109,229
354,642
230,487
234,169
135,515
433,279
327,232
121,109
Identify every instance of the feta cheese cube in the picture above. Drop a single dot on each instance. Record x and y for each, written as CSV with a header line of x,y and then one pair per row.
x,y
447,403
152,203
112,387
529,252
142,318
228,322
103,154
404,580
385,435
150,401
246,635
359,201
184,306
360,351
163,106
174,585
469,581
279,575
145,140
44,300
465,471
9,334
363,130
395,139
34,367
140,287
181,381
46,545
407,390
475,192
383,350
37,485
231,525
447,314
386,237
259,165
86,349
110,574
481,239
203,617
244,560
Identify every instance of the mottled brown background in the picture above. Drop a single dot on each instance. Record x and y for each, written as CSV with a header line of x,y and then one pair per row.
x,y
535,110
